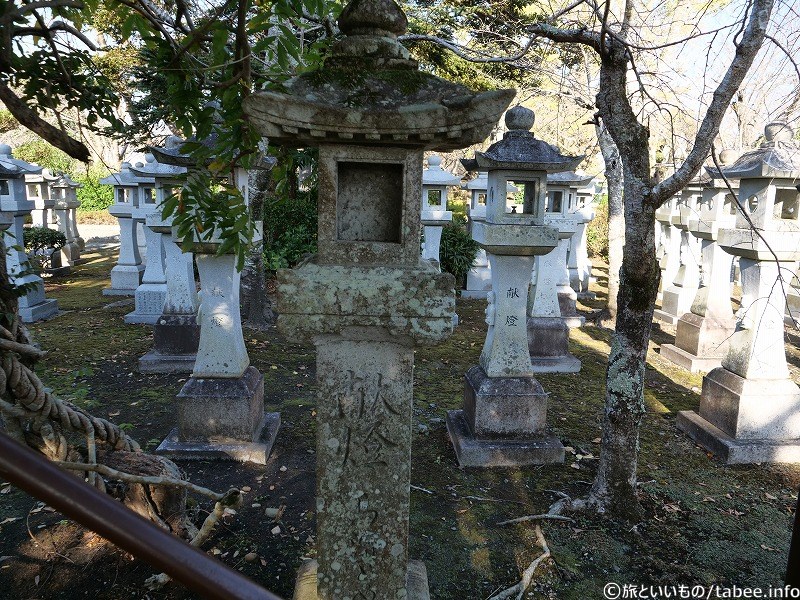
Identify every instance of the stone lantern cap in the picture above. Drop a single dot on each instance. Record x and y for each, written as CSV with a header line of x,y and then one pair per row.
x,y
481,182
14,167
176,153
370,92
126,177
434,175
520,150
44,176
569,179
777,157
67,189
155,169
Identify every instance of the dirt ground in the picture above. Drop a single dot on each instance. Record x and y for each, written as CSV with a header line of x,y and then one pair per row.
x,y
705,522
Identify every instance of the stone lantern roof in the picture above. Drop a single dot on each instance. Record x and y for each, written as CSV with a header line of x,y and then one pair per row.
x,y
156,169
569,178
14,167
370,92
65,181
173,152
778,157
434,175
126,177
519,149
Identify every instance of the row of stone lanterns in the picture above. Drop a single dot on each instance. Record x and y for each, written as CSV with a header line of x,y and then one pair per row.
x,y
15,207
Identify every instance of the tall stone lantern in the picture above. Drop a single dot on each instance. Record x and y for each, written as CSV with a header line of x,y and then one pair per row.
x,y
64,192
578,263
435,184
176,333
703,333
503,422
750,407
367,299
126,275
221,406
15,206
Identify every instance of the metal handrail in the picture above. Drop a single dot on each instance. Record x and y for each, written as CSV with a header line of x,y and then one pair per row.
x,y
80,502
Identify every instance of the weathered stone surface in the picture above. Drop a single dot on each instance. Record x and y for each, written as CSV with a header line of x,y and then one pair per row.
x,y
512,407
363,466
175,342
415,302
416,581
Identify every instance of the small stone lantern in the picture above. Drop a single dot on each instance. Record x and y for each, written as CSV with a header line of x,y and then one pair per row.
x,y
677,297
750,407
367,299
14,206
151,294
221,406
578,263
176,333
703,333
64,193
435,215
562,198
503,422
479,277
127,273
38,188
669,243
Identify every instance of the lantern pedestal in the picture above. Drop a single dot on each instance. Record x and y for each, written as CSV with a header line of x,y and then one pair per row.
x,y
503,423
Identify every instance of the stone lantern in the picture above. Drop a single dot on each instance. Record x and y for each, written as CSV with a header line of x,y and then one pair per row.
x,y
151,294
367,298
562,198
578,263
750,407
703,333
677,298
38,188
14,206
221,406
64,193
176,333
503,422
435,215
479,277
127,273
669,243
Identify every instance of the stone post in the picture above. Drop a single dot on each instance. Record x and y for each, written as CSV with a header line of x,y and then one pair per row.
x,y
33,306
750,407
702,335
127,273
367,299
176,333
677,298
479,277
503,422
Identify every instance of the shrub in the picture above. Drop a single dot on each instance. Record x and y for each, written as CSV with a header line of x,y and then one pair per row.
x,y
597,231
41,243
94,195
7,121
290,229
457,251
45,155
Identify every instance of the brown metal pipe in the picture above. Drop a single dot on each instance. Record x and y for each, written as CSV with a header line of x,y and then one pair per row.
x,y
112,520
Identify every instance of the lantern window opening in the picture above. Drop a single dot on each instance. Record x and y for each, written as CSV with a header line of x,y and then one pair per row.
x,y
555,201
787,203
33,190
148,197
434,198
4,189
478,199
731,204
521,197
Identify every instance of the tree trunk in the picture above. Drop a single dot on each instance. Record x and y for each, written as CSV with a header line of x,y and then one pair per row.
x,y
614,487
256,308
616,220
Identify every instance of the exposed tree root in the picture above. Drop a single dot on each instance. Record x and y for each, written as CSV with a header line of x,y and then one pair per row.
x,y
519,589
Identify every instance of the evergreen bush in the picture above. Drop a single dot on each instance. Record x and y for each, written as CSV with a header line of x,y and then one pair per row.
x,y
457,251
41,243
597,230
